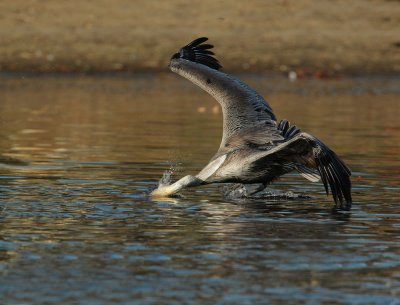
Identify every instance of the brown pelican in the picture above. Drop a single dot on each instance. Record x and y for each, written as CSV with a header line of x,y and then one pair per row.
x,y
255,149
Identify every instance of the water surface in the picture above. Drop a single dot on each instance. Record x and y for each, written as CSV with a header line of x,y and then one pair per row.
x,y
79,155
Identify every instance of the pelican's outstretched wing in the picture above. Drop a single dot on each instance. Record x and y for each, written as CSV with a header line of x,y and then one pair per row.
x,y
307,152
242,107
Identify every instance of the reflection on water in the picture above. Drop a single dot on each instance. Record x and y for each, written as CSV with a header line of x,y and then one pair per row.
x,y
78,156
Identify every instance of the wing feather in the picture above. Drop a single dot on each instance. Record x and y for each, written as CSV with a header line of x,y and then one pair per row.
x,y
199,53
334,173
307,151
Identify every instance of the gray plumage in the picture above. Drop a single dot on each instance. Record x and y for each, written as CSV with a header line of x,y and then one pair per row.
x,y
254,148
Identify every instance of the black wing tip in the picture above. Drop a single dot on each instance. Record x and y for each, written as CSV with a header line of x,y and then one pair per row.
x,y
288,131
335,176
198,52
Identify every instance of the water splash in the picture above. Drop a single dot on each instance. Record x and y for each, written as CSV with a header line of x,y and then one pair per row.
x,y
166,178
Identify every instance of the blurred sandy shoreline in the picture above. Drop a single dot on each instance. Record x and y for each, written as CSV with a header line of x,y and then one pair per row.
x,y
318,38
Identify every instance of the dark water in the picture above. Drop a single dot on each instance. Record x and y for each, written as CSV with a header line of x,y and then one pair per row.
x,y
79,154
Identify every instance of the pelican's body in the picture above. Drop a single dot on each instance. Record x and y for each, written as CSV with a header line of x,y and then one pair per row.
x,y
254,147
